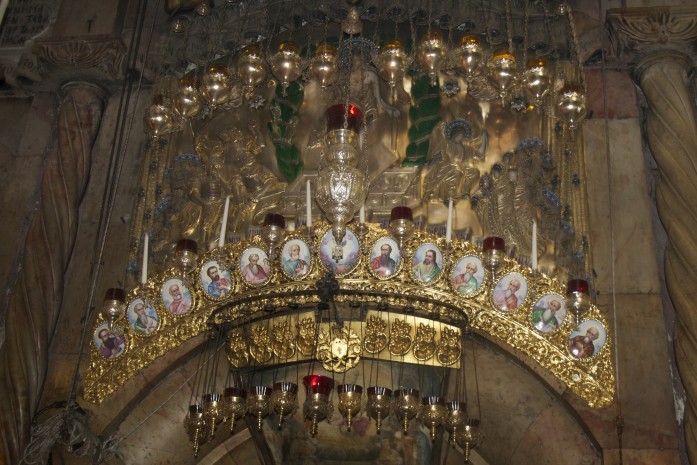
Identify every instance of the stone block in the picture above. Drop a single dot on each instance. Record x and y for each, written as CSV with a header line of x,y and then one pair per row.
x,y
621,215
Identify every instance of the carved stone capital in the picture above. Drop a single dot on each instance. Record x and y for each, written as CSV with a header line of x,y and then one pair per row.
x,y
102,57
637,32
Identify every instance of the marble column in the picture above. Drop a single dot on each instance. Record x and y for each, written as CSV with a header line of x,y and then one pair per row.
x,y
35,303
658,43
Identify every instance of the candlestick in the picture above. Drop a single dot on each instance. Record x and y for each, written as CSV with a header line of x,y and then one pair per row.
x,y
144,270
449,224
534,245
223,225
361,214
308,206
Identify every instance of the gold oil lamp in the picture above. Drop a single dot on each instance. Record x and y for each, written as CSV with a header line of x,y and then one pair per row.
x,y
350,396
187,102
379,404
234,405
215,85
114,306
317,406
469,437
323,66
537,78
258,403
407,403
456,418
186,255
159,118
493,253
194,424
251,66
433,413
272,232
284,400
212,410
502,71
401,224
578,298
392,62
286,65
469,56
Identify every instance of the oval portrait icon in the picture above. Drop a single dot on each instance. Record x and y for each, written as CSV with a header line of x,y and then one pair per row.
x,y
176,297
215,280
510,292
385,257
254,266
110,343
296,259
142,317
588,339
468,275
548,313
342,257
427,263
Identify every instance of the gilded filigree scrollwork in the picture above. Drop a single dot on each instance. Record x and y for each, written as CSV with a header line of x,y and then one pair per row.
x,y
305,340
283,340
449,348
260,348
400,337
375,336
237,353
339,349
425,344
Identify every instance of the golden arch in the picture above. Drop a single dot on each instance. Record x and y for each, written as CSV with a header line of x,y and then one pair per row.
x,y
592,378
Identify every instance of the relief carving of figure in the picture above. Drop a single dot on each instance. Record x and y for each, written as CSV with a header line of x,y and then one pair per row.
x,y
231,168
450,172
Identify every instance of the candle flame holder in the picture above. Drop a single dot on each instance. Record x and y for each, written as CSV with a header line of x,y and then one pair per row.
x,y
379,404
578,298
234,405
317,406
350,396
493,253
401,224
212,410
259,403
433,413
186,255
284,400
194,424
469,437
456,418
407,404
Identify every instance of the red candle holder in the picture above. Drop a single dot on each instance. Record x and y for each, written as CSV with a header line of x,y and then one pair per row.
x,y
114,305
401,213
494,243
187,245
274,219
338,114
401,224
578,299
494,250
318,384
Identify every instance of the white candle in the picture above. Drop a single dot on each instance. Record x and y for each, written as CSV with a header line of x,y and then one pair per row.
x,y
361,214
144,270
449,224
308,206
534,245
223,225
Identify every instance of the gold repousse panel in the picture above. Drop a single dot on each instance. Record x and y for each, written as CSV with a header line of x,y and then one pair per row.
x,y
592,377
